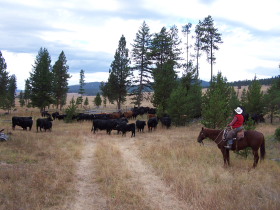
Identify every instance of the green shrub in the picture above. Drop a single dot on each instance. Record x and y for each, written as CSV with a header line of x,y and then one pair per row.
x,y
277,134
250,125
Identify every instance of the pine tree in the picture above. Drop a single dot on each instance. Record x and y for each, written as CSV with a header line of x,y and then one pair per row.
x,y
11,93
70,111
116,87
243,99
27,92
97,100
272,98
86,103
215,103
165,55
104,101
21,99
186,30
192,85
141,60
233,101
176,105
198,44
40,80
81,88
60,80
255,98
4,79
210,40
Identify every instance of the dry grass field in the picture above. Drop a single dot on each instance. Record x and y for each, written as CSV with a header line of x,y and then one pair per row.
x,y
72,168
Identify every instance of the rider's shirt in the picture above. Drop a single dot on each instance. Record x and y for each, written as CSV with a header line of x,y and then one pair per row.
x,y
237,121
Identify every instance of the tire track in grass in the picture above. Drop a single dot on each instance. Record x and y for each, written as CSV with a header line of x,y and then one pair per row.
x,y
158,194
88,194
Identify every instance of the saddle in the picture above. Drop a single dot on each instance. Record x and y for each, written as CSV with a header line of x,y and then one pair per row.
x,y
240,134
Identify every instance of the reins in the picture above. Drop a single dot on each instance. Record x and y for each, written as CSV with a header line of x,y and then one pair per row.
x,y
218,137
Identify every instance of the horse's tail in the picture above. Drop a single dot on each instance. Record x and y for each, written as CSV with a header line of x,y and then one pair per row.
x,y
263,149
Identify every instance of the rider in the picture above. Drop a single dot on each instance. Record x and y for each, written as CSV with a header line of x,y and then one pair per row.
x,y
236,125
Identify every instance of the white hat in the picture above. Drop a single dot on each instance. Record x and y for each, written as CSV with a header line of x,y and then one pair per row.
x,y
238,110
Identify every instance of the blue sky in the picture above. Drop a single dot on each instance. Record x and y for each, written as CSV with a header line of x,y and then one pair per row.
x,y
88,31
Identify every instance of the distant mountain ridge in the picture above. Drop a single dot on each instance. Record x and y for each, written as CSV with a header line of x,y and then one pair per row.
x,y
92,88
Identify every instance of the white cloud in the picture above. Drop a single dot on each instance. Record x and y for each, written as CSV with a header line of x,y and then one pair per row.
x,y
88,31
19,64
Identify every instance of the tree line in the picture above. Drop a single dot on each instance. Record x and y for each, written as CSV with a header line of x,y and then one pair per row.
x,y
246,82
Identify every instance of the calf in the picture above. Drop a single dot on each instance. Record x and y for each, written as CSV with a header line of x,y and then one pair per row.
x,y
124,127
152,123
45,123
140,125
24,122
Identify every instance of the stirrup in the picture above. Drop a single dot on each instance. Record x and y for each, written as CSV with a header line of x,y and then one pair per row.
x,y
228,146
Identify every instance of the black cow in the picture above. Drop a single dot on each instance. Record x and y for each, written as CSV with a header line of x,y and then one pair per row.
x,y
45,114
24,122
61,116
45,123
122,120
165,121
124,127
258,118
140,125
152,123
54,115
107,125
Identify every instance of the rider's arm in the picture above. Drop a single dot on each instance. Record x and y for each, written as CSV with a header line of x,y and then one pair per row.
x,y
233,121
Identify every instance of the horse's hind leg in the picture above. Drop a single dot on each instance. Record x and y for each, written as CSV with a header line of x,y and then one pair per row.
x,y
256,158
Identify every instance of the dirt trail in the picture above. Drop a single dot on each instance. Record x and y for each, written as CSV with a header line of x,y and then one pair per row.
x,y
158,195
88,194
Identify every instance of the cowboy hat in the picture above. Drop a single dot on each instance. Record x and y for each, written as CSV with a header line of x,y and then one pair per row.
x,y
238,110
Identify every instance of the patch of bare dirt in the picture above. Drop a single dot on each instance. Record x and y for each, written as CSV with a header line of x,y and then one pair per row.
x,y
158,195
88,195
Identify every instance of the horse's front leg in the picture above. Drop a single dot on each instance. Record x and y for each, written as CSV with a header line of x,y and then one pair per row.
x,y
225,156
256,158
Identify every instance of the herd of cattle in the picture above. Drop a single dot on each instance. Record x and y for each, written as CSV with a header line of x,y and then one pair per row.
x,y
118,121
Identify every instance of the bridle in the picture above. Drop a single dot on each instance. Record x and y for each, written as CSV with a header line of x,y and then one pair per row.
x,y
217,138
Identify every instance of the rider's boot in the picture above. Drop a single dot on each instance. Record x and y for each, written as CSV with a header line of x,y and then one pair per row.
x,y
229,144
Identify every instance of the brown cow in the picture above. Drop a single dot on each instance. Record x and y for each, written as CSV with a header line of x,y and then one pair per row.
x,y
128,114
116,115
149,116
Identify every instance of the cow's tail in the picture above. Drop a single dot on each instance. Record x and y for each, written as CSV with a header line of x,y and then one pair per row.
x,y
263,149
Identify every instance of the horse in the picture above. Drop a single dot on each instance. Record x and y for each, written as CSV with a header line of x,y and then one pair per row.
x,y
253,139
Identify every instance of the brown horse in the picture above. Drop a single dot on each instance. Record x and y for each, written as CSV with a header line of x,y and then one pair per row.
x,y
253,139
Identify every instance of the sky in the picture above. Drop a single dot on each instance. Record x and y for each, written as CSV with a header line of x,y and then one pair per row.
x,y
88,31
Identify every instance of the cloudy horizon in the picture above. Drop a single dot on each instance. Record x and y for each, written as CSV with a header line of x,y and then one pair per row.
x,y
89,31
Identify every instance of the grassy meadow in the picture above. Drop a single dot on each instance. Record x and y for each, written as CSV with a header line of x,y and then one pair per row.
x,y
38,170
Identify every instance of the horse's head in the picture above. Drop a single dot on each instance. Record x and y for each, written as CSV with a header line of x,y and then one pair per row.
x,y
202,135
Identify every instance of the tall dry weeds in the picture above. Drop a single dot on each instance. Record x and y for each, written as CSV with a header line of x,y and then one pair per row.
x,y
197,175
36,169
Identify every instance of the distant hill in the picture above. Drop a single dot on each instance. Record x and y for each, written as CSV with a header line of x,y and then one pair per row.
x,y
92,88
